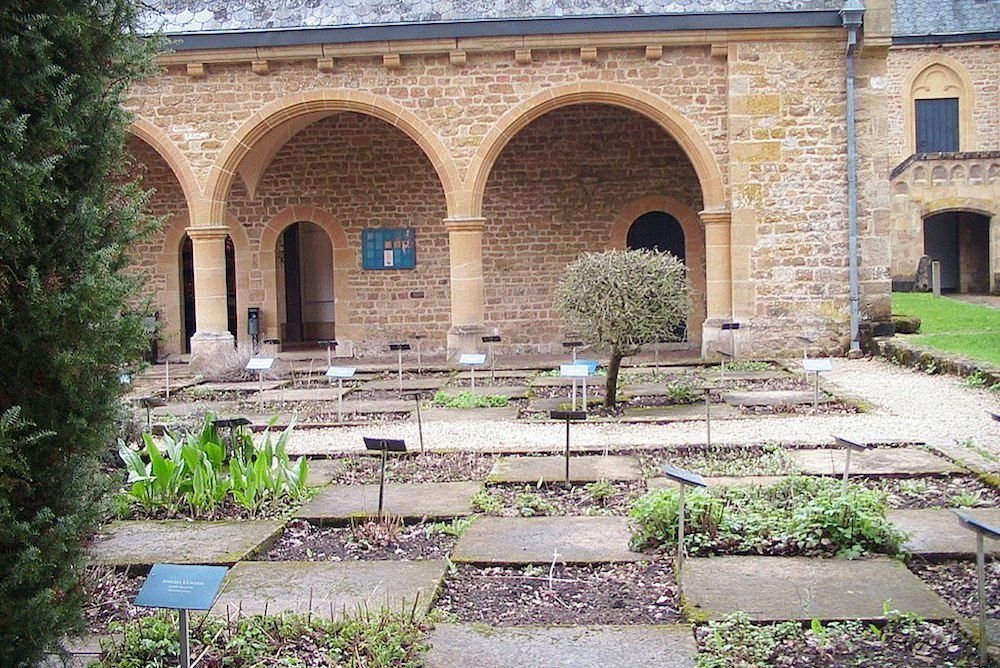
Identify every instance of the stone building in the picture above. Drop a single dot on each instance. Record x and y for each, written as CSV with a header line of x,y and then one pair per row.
x,y
370,171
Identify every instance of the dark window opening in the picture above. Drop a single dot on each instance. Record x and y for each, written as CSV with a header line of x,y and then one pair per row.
x,y
661,232
188,290
937,125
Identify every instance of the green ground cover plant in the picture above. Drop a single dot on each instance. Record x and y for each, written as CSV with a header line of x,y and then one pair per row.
x,y
749,365
797,516
971,330
198,472
375,640
469,399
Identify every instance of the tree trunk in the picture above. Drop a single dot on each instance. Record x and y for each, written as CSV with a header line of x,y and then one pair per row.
x,y
611,387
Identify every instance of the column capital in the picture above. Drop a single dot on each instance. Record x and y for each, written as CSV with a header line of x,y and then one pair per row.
x,y
207,232
465,224
716,217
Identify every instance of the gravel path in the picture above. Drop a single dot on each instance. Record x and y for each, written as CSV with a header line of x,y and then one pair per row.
x,y
905,405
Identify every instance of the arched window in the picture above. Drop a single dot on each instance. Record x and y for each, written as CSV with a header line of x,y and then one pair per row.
x,y
939,111
657,231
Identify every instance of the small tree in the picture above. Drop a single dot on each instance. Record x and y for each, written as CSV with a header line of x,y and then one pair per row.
x,y
622,300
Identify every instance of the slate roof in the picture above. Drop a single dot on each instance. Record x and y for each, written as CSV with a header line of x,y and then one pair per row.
x,y
200,16
944,17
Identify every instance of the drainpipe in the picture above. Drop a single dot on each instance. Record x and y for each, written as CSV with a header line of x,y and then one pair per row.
x,y
852,15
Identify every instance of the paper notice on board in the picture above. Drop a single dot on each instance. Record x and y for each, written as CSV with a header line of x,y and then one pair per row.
x,y
387,258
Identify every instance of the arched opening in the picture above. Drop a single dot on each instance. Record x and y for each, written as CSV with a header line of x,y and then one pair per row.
x,y
304,255
657,231
187,291
582,178
960,241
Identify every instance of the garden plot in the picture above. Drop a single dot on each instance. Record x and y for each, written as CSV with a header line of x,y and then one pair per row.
x,y
338,504
422,382
329,589
582,468
498,390
955,582
459,646
502,540
414,468
529,500
721,460
547,593
181,542
781,588
902,462
368,540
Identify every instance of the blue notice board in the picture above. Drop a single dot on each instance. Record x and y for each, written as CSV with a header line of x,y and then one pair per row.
x,y
388,248
181,587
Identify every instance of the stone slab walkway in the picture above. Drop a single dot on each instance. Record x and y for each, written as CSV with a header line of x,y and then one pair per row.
x,y
583,468
181,542
771,398
304,394
331,587
463,645
323,471
539,540
467,414
906,461
509,391
798,588
722,481
369,406
409,384
439,500
938,533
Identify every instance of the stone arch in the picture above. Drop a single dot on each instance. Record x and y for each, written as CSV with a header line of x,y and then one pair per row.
x,y
938,77
344,261
168,265
694,247
983,207
317,104
166,149
683,132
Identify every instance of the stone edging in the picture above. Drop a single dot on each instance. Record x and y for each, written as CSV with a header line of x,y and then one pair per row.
x,y
899,351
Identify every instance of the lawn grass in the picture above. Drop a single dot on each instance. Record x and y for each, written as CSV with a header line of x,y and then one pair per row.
x,y
951,325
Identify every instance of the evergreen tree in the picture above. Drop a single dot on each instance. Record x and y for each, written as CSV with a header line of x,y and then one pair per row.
x,y
69,326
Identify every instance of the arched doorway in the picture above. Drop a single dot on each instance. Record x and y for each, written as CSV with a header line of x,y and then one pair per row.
x,y
305,283
188,290
657,231
960,241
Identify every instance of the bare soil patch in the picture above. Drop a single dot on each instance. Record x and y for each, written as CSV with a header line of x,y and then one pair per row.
x,y
387,540
601,498
429,467
955,582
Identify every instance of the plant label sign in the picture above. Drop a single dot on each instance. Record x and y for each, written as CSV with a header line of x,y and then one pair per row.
x,y
260,363
472,358
181,587
817,364
574,370
683,476
340,372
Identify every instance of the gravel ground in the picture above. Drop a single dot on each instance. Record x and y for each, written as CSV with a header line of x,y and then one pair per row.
x,y
905,405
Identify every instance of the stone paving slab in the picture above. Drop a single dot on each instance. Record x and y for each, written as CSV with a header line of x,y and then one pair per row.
x,y
241,386
537,540
437,500
513,374
905,461
378,406
714,374
409,384
647,390
509,391
304,394
582,468
938,533
463,645
560,381
680,412
722,481
800,588
181,542
467,414
545,404
338,586
183,408
771,398
323,471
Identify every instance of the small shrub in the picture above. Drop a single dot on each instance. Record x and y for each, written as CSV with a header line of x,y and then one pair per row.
x,y
467,399
530,504
968,499
454,528
800,515
749,365
486,501
682,391
975,380
600,491
376,532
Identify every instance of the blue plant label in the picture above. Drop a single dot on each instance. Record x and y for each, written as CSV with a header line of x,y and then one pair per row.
x,y
181,587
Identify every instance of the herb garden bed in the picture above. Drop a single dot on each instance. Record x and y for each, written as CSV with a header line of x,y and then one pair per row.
x,y
719,460
823,408
625,593
596,498
955,582
385,540
109,594
949,491
429,467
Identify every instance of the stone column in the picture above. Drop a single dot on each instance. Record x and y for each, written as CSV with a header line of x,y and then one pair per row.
x,y
212,334
719,277
468,301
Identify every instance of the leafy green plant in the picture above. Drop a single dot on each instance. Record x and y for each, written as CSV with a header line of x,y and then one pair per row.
x,y
530,504
682,391
976,379
486,501
454,528
968,499
467,399
749,365
600,490
800,515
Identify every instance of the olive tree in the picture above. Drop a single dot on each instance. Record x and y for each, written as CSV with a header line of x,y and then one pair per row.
x,y
621,300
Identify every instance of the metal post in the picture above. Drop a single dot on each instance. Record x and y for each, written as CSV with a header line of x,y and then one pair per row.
x,y
567,452
656,361
680,534
260,391
419,364
472,370
584,393
185,654
400,351
936,278
381,480
574,354
984,640
149,419
847,470
493,363
168,378
708,418
816,392
420,423
329,356
340,400
722,369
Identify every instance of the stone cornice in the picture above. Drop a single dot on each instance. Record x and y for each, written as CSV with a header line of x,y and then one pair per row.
x,y
465,224
208,232
717,217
